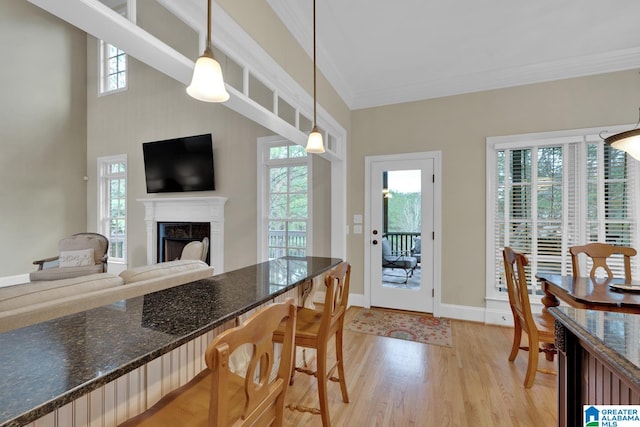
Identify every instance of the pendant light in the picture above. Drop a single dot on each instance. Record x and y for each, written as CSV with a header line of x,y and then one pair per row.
x,y
628,141
314,143
207,84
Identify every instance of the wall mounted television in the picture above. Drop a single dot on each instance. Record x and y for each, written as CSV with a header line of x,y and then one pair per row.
x,y
179,164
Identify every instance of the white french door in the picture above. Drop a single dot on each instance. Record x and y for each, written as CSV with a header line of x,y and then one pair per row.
x,y
401,208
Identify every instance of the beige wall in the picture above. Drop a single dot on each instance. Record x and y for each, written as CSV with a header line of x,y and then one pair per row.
x,y
42,134
153,18
458,127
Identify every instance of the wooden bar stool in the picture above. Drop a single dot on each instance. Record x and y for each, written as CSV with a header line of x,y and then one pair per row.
x,y
314,329
219,397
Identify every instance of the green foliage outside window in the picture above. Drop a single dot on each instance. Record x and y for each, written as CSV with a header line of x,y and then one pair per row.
x,y
404,212
288,202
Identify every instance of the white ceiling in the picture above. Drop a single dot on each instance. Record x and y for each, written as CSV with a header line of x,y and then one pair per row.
x,y
378,52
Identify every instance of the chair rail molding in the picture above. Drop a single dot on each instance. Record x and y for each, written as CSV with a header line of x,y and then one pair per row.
x,y
186,209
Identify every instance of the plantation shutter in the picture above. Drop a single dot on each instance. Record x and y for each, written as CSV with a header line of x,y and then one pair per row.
x,y
500,212
550,208
612,218
551,196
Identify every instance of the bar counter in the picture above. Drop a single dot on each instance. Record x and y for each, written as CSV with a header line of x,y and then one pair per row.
x,y
46,366
598,360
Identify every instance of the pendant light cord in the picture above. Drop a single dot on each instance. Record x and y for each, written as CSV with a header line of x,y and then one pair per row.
x,y
208,25
314,65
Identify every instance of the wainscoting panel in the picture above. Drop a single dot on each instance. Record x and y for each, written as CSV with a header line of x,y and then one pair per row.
x,y
133,393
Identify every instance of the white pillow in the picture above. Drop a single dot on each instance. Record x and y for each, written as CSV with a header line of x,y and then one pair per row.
x,y
77,258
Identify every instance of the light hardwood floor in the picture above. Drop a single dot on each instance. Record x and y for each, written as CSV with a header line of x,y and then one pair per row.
x,y
393,382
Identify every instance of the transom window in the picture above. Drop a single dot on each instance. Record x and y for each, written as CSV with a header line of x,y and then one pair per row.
x,y
113,70
113,61
547,194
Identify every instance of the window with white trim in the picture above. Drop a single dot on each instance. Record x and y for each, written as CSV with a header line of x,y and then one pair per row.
x,y
546,194
113,61
113,68
287,203
112,205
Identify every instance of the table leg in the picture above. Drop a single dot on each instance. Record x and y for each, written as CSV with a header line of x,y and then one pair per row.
x,y
549,299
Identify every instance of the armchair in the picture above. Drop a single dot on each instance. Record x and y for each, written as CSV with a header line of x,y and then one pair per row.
x,y
416,251
196,250
392,259
79,255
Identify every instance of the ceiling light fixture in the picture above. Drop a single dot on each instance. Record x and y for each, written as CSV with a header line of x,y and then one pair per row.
x,y
628,141
207,83
314,143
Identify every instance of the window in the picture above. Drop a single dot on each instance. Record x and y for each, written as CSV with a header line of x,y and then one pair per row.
x,y
286,199
546,194
112,205
113,61
113,68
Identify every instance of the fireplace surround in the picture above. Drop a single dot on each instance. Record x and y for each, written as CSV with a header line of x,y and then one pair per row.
x,y
187,210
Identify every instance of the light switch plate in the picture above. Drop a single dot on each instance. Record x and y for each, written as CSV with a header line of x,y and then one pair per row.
x,y
357,219
357,229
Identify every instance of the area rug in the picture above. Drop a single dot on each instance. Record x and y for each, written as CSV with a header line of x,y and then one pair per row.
x,y
422,328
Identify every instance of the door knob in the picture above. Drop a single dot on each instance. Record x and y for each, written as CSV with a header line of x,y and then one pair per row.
x,y
375,242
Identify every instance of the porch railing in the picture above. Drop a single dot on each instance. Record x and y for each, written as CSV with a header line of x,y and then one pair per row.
x,y
401,241
292,239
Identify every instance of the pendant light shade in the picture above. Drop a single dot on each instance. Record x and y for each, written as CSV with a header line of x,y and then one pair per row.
x,y
207,83
314,143
628,141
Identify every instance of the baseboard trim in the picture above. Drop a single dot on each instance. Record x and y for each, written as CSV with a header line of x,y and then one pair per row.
x,y
498,317
462,312
450,311
14,280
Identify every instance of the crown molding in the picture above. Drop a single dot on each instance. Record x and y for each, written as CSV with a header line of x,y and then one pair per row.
x,y
500,78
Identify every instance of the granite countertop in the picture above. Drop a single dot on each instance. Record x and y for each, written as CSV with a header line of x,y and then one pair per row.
x,y
614,335
48,365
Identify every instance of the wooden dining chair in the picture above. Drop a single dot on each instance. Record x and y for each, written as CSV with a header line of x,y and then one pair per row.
x,y
539,328
315,329
599,253
219,397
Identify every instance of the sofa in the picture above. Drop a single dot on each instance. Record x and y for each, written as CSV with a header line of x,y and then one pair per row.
x,y
34,302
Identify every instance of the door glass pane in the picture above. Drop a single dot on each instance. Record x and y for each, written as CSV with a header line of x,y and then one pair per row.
x,y
401,200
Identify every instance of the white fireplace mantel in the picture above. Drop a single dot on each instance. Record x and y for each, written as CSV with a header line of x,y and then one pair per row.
x,y
187,209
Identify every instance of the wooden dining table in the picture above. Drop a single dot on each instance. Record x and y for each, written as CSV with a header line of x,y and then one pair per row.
x,y
588,293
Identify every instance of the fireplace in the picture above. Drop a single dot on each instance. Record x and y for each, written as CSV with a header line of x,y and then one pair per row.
x,y
187,219
174,236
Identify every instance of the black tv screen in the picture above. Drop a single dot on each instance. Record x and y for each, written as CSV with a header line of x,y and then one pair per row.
x,y
179,164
